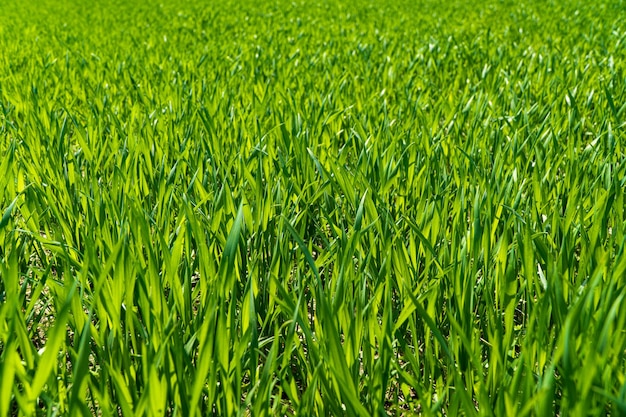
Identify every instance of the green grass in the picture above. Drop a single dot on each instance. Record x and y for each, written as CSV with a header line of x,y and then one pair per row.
x,y
313,208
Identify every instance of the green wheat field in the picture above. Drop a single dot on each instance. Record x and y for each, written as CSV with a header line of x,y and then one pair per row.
x,y
312,208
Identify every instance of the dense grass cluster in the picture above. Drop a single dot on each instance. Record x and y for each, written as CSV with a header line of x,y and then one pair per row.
x,y
313,208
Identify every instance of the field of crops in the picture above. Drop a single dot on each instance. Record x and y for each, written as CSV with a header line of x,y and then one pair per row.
x,y
263,208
